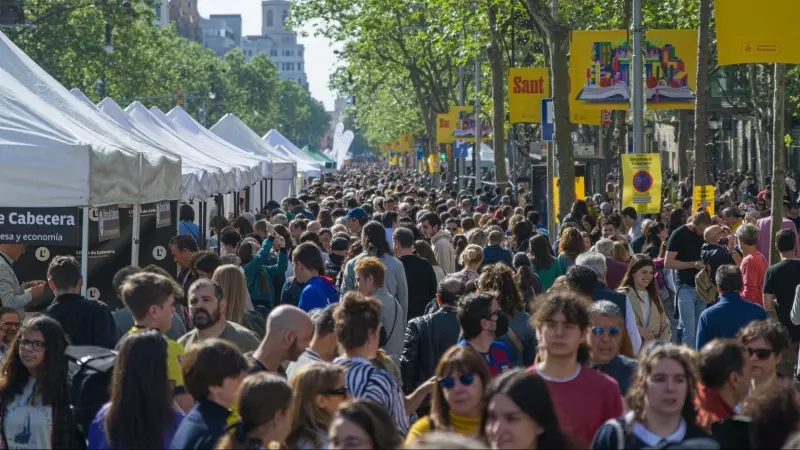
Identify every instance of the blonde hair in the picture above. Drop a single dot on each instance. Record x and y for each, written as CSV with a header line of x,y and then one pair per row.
x,y
310,421
477,237
472,254
234,289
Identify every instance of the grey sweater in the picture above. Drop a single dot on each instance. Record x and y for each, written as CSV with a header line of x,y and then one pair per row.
x,y
393,321
13,294
394,281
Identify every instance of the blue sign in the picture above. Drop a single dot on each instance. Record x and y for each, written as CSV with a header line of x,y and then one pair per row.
x,y
548,124
420,153
460,149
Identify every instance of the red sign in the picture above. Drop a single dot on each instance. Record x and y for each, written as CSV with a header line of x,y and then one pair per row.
x,y
606,118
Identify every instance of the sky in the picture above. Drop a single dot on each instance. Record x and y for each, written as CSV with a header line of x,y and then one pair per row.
x,y
319,58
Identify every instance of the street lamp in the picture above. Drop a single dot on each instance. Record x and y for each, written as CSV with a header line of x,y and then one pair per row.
x,y
109,47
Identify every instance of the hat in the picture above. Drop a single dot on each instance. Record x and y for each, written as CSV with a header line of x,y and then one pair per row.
x,y
356,213
521,259
340,244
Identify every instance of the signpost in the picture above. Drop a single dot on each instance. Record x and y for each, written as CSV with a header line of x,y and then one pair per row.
x,y
548,124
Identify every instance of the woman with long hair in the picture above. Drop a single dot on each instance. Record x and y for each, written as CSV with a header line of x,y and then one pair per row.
x,y
660,401
363,424
459,244
579,209
234,290
34,398
521,233
676,218
258,270
470,259
521,337
319,390
621,252
457,401
655,236
640,286
141,412
242,225
570,246
588,223
423,250
544,265
519,414
264,405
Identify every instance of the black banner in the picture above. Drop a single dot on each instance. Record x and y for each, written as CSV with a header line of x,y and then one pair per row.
x,y
40,226
105,257
108,223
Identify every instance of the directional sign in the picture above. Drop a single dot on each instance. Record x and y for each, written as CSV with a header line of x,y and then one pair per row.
x,y
548,124
460,149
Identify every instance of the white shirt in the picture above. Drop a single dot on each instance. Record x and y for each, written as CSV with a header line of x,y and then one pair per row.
x,y
651,439
28,425
632,328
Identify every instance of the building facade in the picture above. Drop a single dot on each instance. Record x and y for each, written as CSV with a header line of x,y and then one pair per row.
x,y
278,42
161,9
186,17
222,33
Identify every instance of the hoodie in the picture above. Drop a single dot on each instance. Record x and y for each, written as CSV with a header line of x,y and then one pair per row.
x,y
318,293
443,249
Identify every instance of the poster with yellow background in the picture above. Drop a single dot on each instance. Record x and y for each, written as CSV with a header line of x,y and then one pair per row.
x,y
762,32
599,71
670,69
527,87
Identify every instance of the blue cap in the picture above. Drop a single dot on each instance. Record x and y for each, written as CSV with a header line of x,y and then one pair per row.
x,y
356,213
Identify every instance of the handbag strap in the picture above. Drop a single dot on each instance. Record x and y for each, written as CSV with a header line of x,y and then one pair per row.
x,y
515,339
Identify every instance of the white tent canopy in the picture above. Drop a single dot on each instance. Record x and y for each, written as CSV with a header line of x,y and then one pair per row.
x,y
218,181
191,187
236,132
107,165
306,164
259,164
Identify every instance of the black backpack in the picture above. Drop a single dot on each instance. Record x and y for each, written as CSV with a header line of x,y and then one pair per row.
x,y
89,377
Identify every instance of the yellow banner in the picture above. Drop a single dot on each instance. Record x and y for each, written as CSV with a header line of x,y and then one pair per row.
x,y
444,129
763,32
580,192
599,70
670,69
703,198
526,89
641,182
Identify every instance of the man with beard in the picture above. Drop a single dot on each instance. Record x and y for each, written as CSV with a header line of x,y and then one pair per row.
x,y
9,327
207,308
289,333
482,322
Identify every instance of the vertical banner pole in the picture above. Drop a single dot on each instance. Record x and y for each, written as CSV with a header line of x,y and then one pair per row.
x,y
85,251
137,215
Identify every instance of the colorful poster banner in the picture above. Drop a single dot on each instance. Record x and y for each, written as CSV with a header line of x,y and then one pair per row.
x,y
580,114
526,88
764,32
703,198
670,69
600,70
580,192
444,131
641,182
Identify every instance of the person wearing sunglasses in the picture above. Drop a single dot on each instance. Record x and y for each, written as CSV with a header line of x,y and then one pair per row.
x,y
457,403
482,322
765,341
605,328
319,390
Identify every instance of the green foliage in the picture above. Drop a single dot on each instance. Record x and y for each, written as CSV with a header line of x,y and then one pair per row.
x,y
148,61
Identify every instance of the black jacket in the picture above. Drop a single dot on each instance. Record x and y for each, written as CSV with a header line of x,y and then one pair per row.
x,y
202,427
421,284
427,338
86,322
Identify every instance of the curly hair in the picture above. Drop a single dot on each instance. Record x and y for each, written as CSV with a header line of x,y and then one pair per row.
x,y
571,243
773,412
500,278
354,318
648,359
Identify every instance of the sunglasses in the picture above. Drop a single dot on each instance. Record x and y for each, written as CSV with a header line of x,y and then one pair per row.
x,y
495,315
449,382
612,331
341,392
761,353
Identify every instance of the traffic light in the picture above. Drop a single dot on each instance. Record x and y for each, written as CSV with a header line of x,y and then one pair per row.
x,y
179,97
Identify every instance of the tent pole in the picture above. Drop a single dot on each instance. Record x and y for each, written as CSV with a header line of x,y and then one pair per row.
x,y
271,187
85,251
263,195
201,206
137,215
219,221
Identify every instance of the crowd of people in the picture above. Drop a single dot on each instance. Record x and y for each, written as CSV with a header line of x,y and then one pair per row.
x,y
373,311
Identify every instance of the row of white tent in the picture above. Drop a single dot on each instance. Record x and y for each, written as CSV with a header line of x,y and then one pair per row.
x,y
57,149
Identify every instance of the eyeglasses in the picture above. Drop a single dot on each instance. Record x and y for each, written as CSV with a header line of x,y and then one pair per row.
x,y
449,382
341,392
761,353
495,315
612,331
25,344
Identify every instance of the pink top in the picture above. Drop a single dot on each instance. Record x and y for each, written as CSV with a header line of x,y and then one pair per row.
x,y
764,226
754,270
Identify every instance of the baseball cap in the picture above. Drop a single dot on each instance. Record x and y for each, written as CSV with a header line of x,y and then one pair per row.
x,y
340,244
356,213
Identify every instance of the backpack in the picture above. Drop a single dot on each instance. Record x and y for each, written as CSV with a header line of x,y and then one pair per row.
x,y
89,378
706,291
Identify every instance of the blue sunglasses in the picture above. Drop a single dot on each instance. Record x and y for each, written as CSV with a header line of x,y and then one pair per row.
x,y
612,331
450,382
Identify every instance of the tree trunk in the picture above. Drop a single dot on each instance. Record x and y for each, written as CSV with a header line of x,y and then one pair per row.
x,y
778,167
559,48
758,122
498,97
701,107
683,144
622,116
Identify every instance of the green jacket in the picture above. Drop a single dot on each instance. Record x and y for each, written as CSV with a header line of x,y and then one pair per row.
x,y
258,266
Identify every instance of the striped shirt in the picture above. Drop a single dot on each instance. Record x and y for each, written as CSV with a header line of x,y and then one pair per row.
x,y
364,380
